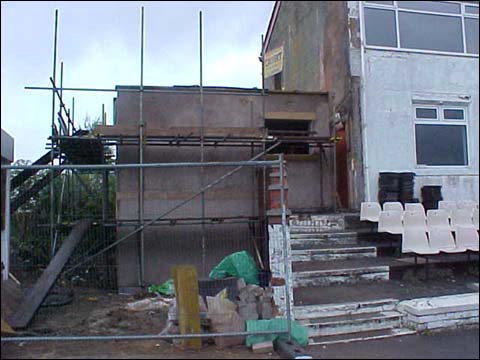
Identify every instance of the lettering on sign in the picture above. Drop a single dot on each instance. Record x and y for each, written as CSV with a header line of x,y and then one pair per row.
x,y
273,62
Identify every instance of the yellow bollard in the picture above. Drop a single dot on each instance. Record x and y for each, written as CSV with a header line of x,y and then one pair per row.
x,y
186,293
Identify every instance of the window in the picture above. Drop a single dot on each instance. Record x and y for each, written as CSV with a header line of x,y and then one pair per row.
x,y
380,27
430,32
441,136
277,81
471,32
471,9
288,130
440,26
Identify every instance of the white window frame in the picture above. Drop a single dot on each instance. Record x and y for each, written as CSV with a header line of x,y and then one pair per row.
x,y
441,121
396,9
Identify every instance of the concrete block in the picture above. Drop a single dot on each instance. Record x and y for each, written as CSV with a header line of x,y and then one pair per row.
x,y
241,284
228,323
248,311
265,310
250,294
263,347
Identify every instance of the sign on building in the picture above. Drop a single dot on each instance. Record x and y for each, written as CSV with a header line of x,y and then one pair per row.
x,y
273,62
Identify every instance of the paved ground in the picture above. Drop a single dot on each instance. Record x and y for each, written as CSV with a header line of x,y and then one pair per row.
x,y
452,344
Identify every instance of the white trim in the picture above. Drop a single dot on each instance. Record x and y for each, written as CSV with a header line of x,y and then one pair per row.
x,y
363,102
420,51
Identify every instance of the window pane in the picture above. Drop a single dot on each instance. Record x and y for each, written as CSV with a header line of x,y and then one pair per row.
x,y
426,113
436,6
380,27
471,31
430,32
453,114
471,9
441,144
381,2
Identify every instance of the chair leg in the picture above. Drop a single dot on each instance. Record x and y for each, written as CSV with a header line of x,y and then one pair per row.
x,y
426,268
416,266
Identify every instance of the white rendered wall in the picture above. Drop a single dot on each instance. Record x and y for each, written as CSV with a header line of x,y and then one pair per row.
x,y
393,81
390,82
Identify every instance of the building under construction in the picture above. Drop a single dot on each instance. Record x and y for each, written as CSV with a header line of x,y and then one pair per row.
x,y
184,124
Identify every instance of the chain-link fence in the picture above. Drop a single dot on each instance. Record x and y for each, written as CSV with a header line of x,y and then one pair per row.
x,y
103,269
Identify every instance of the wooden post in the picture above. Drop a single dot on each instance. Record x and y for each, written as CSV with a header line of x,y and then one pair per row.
x,y
186,293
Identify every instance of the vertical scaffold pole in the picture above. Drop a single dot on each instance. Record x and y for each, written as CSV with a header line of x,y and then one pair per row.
x,y
141,158
52,188
264,169
202,150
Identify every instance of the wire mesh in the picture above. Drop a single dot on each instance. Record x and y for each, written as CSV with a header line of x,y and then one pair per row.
x,y
100,291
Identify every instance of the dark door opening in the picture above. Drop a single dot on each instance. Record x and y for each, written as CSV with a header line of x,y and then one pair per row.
x,y
342,170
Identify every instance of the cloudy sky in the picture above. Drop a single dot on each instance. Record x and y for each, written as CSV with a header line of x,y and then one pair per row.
x,y
99,44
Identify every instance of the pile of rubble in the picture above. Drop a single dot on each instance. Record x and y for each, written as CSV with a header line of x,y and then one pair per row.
x,y
221,315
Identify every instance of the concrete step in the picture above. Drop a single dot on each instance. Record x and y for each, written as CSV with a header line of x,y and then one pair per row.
x,y
326,222
360,336
315,240
345,324
340,276
334,253
349,308
325,235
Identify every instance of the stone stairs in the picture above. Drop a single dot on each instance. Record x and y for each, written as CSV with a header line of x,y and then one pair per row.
x,y
324,253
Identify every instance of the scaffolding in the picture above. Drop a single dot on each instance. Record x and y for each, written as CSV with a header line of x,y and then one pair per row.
x,y
69,145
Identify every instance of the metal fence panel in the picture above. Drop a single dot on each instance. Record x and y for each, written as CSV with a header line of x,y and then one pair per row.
x,y
194,214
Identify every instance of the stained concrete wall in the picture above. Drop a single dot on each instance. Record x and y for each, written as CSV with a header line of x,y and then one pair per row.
x,y
316,36
392,81
169,245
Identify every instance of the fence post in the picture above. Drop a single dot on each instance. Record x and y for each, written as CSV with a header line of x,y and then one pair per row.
x,y
186,295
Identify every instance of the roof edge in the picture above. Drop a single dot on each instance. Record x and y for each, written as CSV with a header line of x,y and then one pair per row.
x,y
271,25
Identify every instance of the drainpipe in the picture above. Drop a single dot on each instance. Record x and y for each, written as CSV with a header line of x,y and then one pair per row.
x,y
363,101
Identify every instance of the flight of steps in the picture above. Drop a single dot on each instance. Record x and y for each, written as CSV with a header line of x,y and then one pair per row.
x,y
325,253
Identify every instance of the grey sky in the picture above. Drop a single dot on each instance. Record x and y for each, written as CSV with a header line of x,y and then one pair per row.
x,y
99,44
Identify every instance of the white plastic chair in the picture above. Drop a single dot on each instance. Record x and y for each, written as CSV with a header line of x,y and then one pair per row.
x,y
390,221
438,219
416,241
449,206
475,218
463,218
370,211
393,205
467,204
415,207
467,238
442,240
414,219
